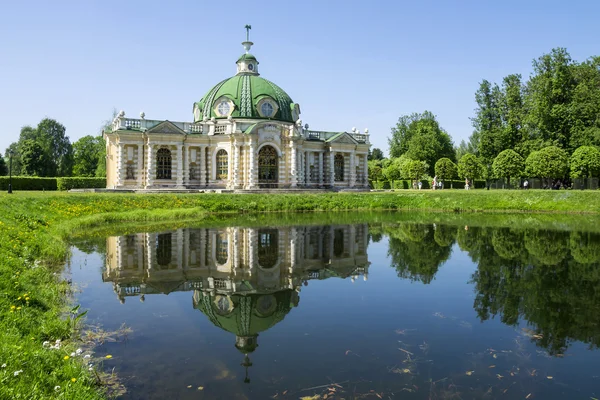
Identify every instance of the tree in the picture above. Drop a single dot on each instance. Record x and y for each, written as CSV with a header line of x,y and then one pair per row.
x,y
585,162
86,154
469,167
376,154
550,91
550,162
392,172
33,158
487,121
420,137
445,169
56,148
375,170
414,169
3,167
508,164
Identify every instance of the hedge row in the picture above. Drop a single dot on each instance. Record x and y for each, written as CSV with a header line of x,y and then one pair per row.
x,y
425,184
79,182
35,183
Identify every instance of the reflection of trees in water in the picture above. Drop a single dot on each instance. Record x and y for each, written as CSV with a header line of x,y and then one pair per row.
x,y
548,278
541,282
414,251
585,247
548,247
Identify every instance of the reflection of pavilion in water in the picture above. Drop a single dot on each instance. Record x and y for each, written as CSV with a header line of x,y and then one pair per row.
x,y
245,280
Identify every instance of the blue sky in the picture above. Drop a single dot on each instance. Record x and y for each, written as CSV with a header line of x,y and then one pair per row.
x,y
348,63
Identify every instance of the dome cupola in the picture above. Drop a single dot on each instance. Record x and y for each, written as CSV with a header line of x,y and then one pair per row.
x,y
246,95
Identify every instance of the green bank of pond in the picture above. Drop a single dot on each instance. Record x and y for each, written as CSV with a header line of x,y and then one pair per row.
x,y
35,229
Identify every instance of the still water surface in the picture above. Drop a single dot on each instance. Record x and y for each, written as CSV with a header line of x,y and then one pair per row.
x,y
361,311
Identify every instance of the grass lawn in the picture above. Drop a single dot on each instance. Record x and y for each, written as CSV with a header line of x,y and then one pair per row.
x,y
35,226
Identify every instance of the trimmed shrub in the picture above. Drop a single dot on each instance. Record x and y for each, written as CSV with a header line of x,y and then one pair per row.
x,y
28,183
80,183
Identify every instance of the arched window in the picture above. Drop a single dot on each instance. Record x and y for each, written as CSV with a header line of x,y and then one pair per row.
x,y
222,248
163,164
268,247
164,247
338,166
222,164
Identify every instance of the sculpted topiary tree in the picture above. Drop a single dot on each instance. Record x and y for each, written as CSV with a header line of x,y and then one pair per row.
x,y
585,162
414,169
508,164
469,167
445,169
550,162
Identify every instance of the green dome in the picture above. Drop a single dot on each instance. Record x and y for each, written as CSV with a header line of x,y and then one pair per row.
x,y
245,91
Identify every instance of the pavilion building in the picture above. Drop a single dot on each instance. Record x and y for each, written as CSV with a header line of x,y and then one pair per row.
x,y
246,134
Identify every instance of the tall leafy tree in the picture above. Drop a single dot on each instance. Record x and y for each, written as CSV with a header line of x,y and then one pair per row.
x,y
87,152
17,167
549,93
508,164
34,158
420,137
3,167
376,154
585,162
487,121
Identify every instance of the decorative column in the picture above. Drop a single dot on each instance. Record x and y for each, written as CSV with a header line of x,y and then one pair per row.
x,y
120,163
293,165
252,166
203,165
179,243
331,168
352,170
365,171
179,182
150,168
307,176
186,164
140,166
320,168
236,165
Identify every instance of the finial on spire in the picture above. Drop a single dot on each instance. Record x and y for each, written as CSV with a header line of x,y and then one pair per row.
x,y
247,44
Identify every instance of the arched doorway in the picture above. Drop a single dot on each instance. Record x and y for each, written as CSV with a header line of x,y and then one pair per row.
x,y
268,165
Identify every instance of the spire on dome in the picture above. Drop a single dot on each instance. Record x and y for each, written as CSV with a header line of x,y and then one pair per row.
x,y
247,63
247,44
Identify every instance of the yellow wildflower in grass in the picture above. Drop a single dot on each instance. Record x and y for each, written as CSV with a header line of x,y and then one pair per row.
x,y
18,308
109,356
13,307
73,379
19,298
26,298
66,358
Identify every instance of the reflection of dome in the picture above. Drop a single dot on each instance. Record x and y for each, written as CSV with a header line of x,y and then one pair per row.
x,y
246,315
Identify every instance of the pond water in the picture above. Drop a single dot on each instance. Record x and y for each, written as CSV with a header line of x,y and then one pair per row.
x,y
353,311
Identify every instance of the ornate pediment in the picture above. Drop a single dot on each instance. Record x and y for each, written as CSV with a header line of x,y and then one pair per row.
x,y
166,127
343,138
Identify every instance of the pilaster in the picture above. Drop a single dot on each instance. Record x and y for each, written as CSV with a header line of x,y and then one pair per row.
x,y
252,169
150,168
203,165
331,168
140,166
293,165
179,181
321,169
